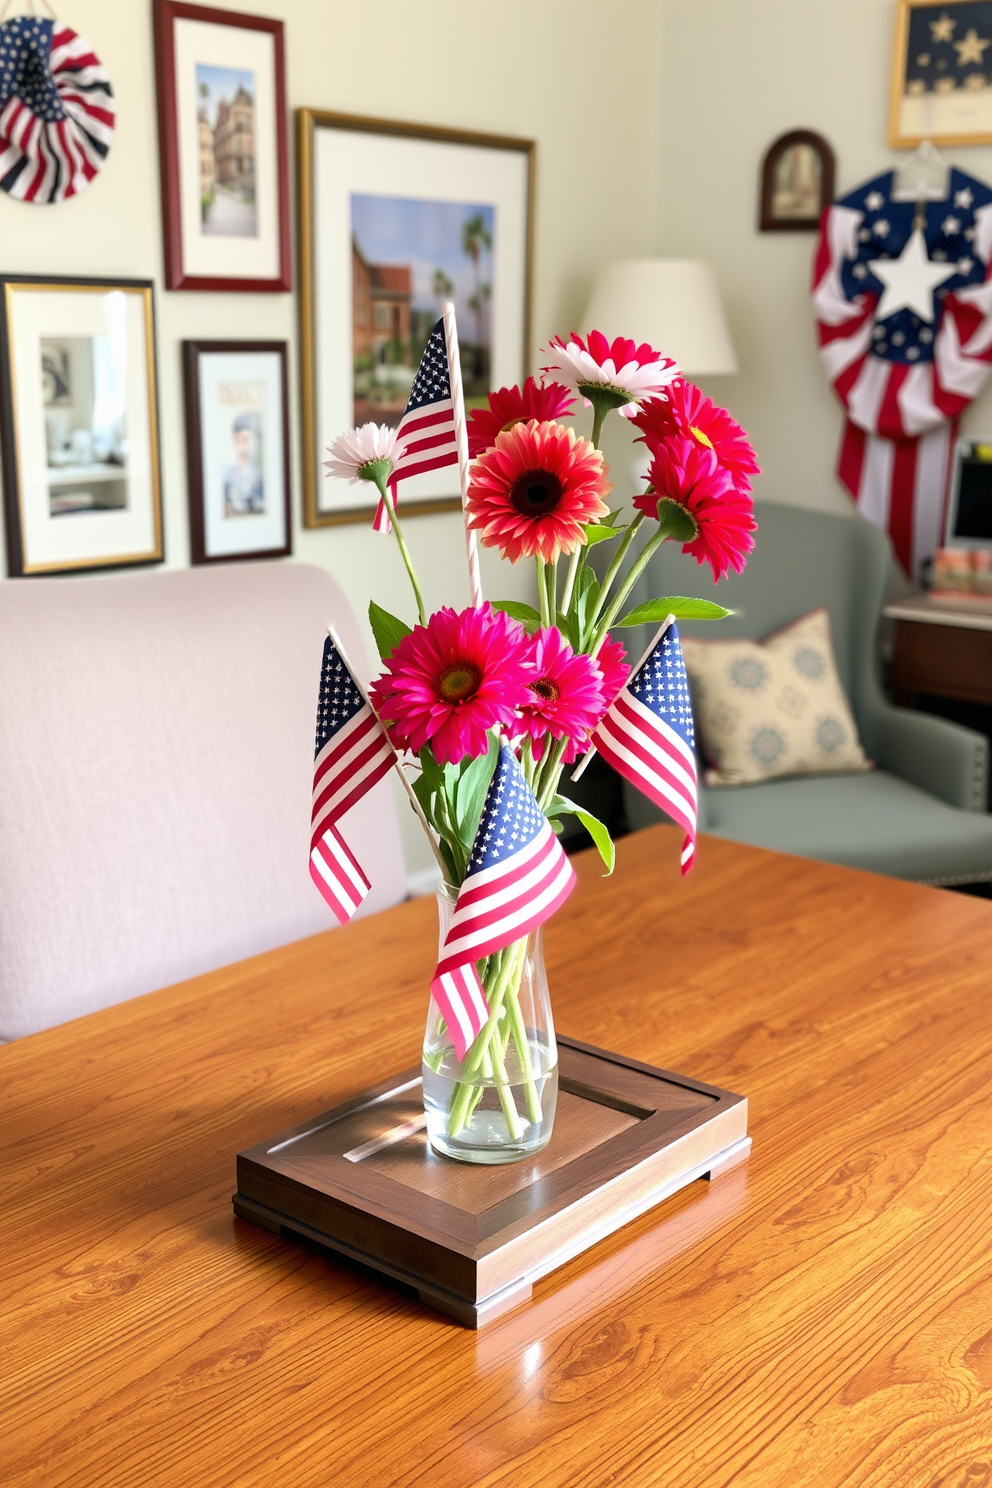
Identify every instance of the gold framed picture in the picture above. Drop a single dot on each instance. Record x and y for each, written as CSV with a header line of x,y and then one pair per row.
x,y
395,220
78,424
941,73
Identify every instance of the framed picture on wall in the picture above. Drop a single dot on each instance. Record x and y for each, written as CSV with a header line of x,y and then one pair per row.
x,y
941,86
797,182
222,146
237,441
395,219
79,424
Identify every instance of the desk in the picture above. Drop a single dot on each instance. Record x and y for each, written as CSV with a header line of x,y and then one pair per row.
x,y
942,648
819,1317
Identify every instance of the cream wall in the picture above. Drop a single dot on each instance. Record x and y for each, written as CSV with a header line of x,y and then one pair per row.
x,y
537,68
735,75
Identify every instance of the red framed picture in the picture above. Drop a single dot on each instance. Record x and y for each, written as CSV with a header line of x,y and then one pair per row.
x,y
222,142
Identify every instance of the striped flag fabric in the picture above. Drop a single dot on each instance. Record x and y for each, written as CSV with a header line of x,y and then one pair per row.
x,y
517,877
427,428
647,735
352,753
57,110
903,299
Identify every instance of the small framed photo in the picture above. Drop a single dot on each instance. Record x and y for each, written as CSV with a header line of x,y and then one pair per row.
x,y
79,424
395,220
222,145
797,182
941,73
237,436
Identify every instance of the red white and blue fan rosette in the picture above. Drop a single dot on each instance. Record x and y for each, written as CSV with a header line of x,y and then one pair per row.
x,y
903,302
57,111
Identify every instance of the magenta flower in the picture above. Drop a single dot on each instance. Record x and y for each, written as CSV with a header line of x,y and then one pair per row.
x,y
687,474
611,661
448,682
566,694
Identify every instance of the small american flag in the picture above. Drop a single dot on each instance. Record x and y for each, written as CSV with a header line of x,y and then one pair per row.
x,y
427,428
647,735
517,877
352,753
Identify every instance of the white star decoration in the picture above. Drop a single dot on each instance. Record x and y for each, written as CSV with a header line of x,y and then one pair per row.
x,y
910,279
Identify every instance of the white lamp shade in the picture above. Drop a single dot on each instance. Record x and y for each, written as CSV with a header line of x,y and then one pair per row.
x,y
673,303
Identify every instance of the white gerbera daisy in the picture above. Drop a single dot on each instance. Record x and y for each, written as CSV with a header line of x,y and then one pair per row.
x,y
354,453
620,372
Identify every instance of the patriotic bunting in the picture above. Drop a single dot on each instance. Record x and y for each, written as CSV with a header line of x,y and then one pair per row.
x,y
57,111
647,736
351,755
517,877
903,302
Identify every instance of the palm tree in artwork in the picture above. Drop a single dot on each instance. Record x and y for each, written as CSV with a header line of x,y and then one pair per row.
x,y
475,237
444,287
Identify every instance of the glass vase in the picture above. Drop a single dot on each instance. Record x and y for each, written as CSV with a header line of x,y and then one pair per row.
x,y
497,1105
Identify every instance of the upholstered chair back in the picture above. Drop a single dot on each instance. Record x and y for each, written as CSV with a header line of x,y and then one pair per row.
x,y
156,756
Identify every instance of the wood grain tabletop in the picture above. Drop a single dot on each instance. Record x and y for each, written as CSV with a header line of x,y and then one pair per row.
x,y
822,1316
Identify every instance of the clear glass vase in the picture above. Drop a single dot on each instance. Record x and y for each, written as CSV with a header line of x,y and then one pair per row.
x,y
497,1105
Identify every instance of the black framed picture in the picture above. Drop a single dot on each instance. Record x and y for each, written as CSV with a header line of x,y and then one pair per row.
x,y
237,442
797,182
79,424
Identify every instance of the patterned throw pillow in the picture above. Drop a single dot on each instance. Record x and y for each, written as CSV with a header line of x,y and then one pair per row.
x,y
772,707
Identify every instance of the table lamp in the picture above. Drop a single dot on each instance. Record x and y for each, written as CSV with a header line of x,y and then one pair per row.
x,y
673,303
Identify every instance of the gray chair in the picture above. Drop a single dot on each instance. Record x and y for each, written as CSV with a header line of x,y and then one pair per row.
x,y
920,815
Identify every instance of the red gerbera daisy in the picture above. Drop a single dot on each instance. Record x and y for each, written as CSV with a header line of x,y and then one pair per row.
x,y
687,474
513,405
535,490
686,411
566,694
611,659
448,682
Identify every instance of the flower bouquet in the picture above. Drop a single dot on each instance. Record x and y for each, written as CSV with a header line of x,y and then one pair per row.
x,y
480,710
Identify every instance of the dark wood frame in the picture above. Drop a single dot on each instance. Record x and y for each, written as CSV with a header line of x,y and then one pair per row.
x,y
192,351
165,13
900,46
473,1240
307,120
9,454
768,223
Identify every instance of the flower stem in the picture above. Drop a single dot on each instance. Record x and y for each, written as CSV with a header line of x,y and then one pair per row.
x,y
551,572
542,590
615,566
383,487
647,552
599,412
575,563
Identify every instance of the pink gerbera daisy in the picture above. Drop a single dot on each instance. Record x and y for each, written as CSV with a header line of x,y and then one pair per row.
x,y
450,681
618,373
566,694
687,475
535,490
686,411
611,659
513,405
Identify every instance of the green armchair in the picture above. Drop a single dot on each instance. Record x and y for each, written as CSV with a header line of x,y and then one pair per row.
x,y
920,814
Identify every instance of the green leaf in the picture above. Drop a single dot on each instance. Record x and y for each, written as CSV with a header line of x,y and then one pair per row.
x,y
424,794
433,773
387,629
599,532
569,627
587,595
471,793
562,806
682,606
525,613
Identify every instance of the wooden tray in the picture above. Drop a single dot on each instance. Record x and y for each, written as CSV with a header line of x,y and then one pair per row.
x,y
470,1239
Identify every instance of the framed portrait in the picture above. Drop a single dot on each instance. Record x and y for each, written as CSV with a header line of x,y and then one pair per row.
x,y
222,145
941,73
395,220
237,439
797,182
79,424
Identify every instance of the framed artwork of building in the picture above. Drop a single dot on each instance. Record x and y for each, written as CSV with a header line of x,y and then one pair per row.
x,y
941,73
797,182
396,219
78,424
222,146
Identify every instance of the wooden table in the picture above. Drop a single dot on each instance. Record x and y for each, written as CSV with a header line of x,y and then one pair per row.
x,y
942,647
819,1317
